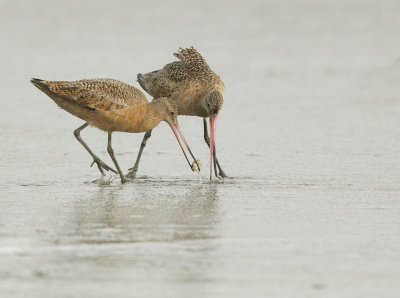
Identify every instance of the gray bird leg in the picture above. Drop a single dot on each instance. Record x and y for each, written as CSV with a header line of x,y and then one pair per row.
x,y
100,164
207,139
133,171
111,152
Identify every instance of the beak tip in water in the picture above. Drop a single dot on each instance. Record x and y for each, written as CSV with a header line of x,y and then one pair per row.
x,y
213,119
195,165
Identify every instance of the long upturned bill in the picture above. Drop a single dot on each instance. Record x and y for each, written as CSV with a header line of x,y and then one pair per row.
x,y
177,132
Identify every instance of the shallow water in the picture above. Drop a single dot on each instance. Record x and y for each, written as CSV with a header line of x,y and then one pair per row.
x,y
309,135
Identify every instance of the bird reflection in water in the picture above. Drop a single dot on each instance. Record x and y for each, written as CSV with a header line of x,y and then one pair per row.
x,y
115,215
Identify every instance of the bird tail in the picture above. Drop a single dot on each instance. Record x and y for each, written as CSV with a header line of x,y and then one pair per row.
x,y
141,81
41,84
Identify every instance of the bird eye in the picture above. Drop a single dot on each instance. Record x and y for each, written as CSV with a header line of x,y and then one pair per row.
x,y
172,113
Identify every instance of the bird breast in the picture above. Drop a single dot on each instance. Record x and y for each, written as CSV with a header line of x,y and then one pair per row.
x,y
131,119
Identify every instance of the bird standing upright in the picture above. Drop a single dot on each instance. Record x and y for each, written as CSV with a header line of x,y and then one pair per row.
x,y
195,88
111,105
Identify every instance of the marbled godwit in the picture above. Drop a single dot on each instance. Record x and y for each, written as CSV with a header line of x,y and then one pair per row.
x,y
111,106
195,88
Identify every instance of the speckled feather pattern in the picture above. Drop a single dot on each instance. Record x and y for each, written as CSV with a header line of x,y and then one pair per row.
x,y
108,104
184,81
99,94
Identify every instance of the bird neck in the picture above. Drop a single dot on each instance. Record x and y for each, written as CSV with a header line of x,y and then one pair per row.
x,y
199,107
153,116
139,118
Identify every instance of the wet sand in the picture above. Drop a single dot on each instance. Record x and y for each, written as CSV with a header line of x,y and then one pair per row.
x,y
309,135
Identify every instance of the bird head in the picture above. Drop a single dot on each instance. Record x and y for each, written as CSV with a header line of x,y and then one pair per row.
x,y
213,101
169,110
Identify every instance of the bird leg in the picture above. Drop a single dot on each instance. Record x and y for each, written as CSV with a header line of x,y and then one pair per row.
x,y
100,164
132,171
111,152
207,139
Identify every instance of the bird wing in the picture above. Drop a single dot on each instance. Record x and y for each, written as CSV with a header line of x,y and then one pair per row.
x,y
158,83
192,69
194,63
96,94
197,72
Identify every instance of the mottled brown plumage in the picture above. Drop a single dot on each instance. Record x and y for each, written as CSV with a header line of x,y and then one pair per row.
x,y
100,94
192,84
110,105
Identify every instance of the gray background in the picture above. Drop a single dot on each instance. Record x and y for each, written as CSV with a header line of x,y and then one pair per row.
x,y
309,135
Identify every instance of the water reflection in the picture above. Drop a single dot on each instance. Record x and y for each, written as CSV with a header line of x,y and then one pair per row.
x,y
143,213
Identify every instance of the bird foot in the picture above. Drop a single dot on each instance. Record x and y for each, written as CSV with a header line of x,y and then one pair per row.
x,y
132,173
102,165
123,179
222,175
